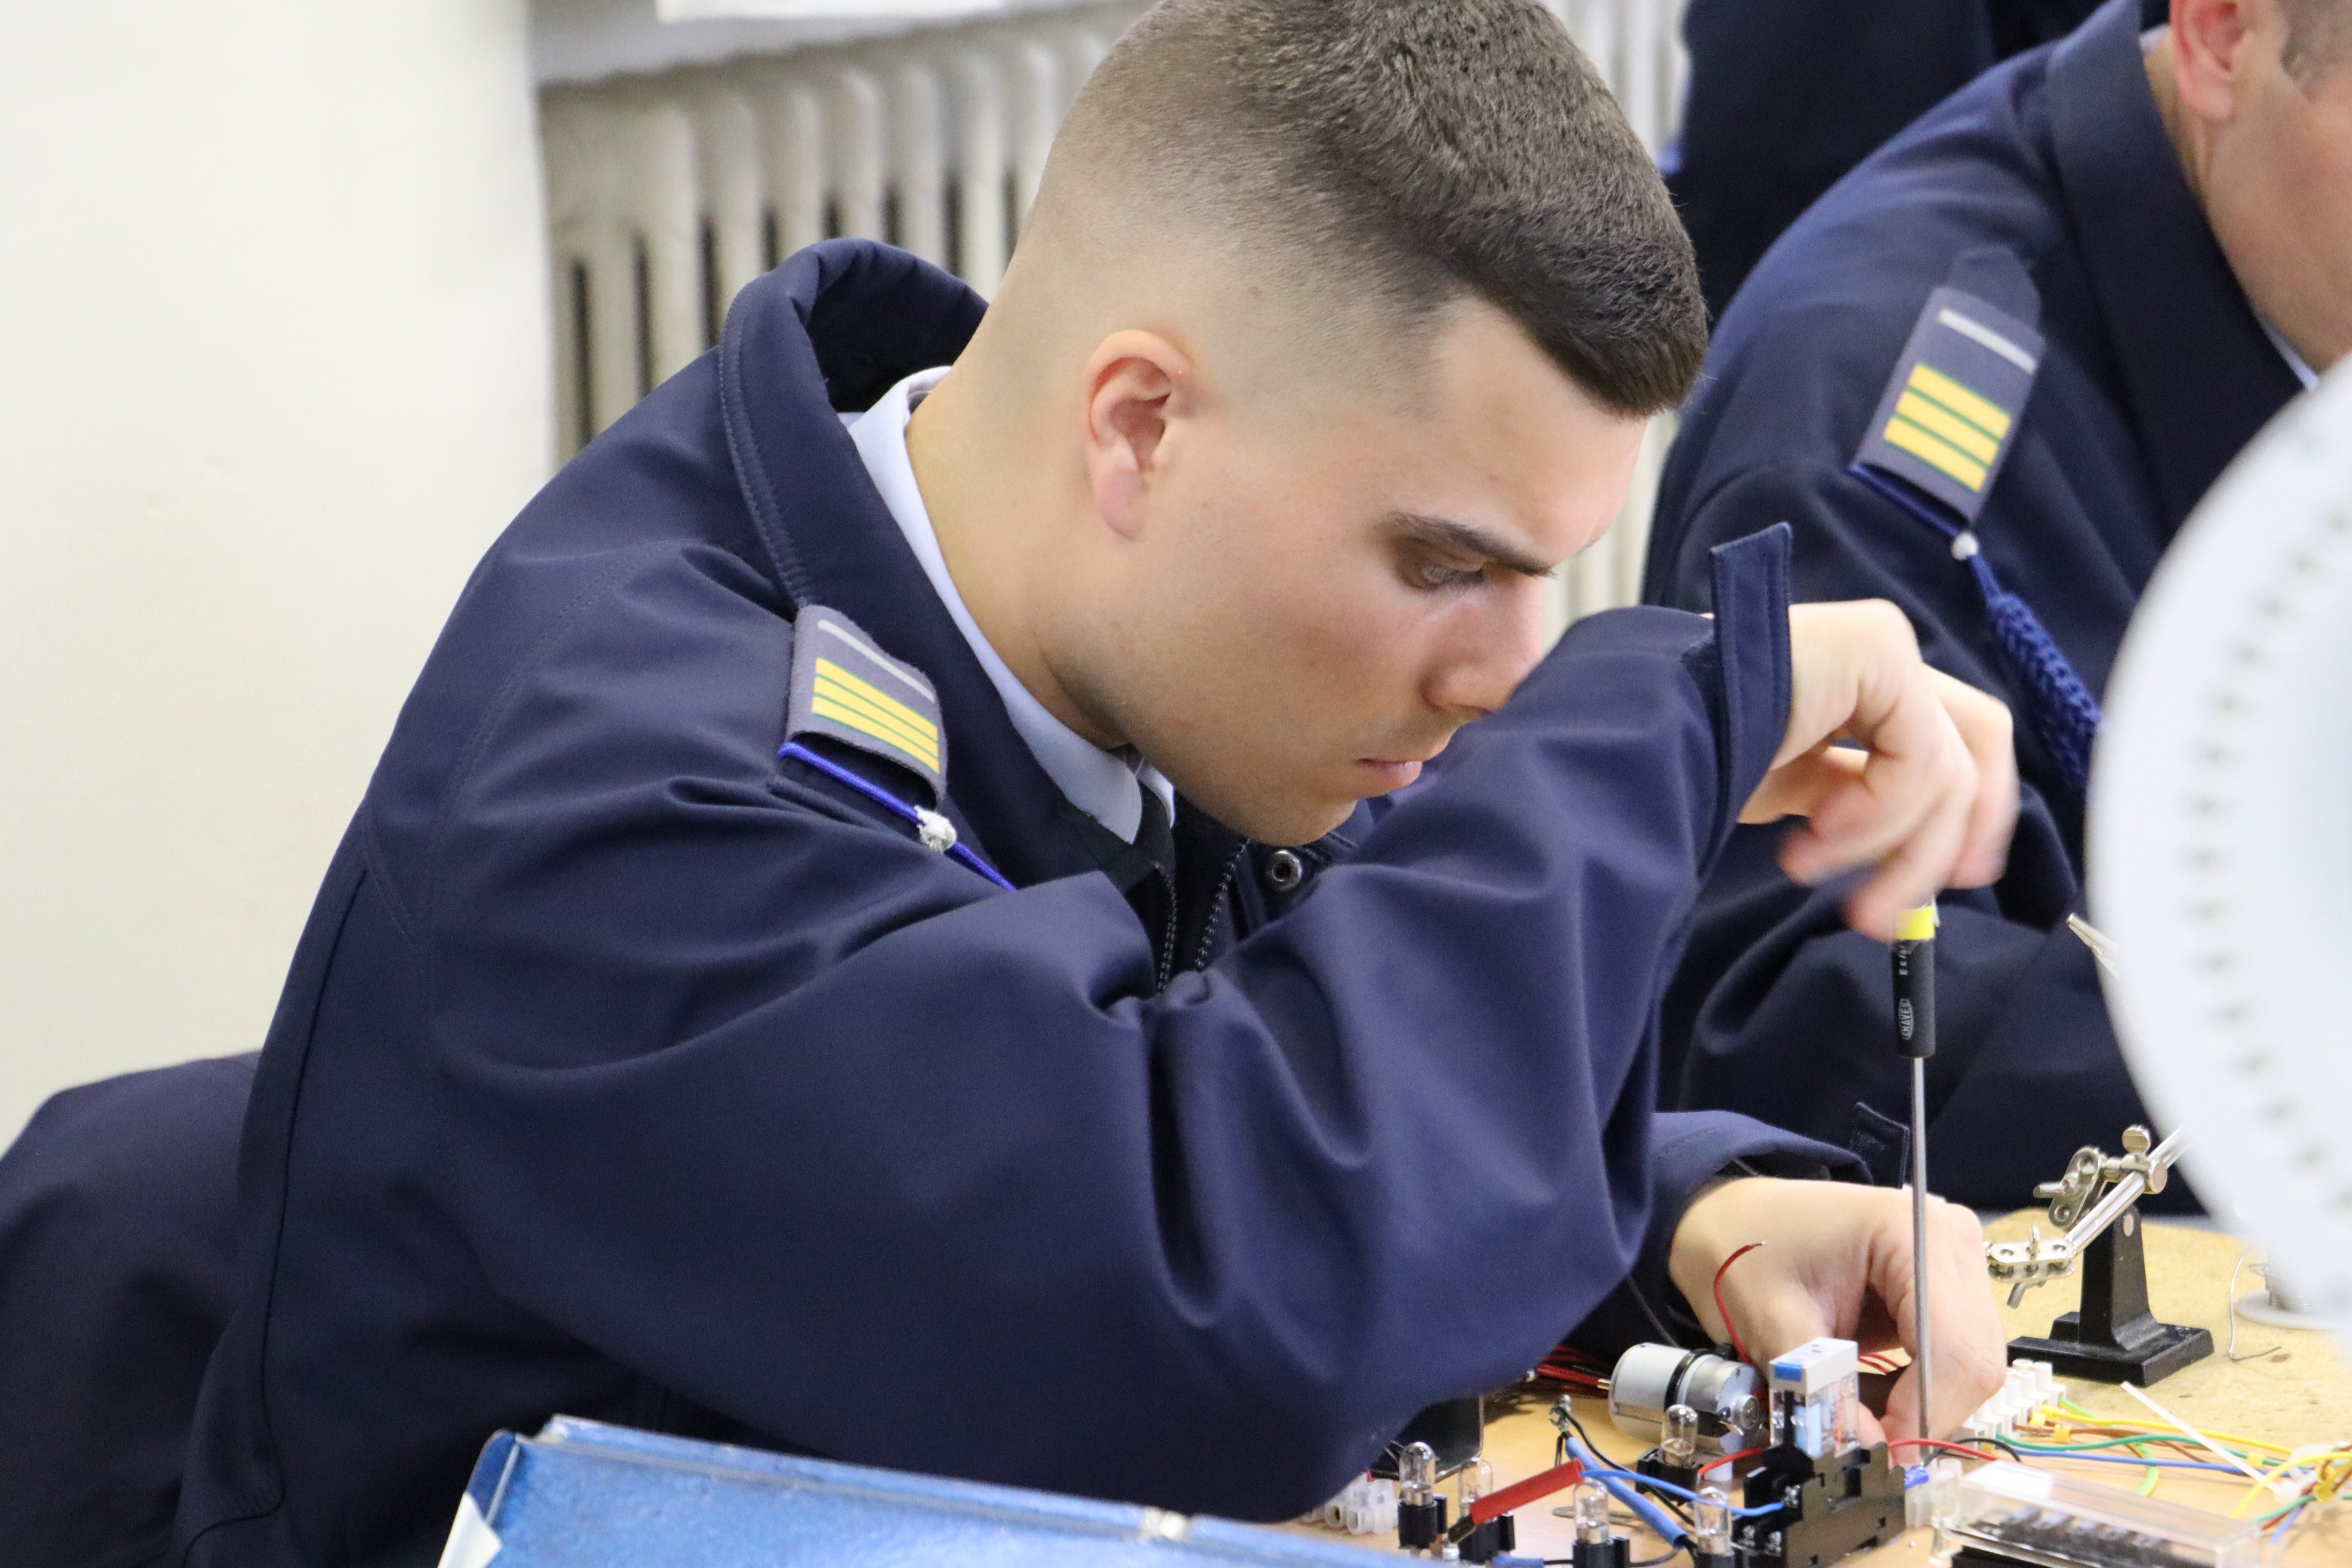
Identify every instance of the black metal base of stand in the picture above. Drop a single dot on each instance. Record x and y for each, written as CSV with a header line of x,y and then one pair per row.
x,y
2114,1338
2170,1348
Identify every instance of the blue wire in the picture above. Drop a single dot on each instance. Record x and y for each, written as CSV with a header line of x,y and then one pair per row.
x,y
1669,1528
1601,1471
884,798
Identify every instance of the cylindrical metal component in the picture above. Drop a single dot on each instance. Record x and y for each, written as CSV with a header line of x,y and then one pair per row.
x,y
1922,1355
1725,1394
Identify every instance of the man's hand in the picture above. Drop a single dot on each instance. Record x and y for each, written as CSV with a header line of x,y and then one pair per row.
x,y
1836,1260
1930,794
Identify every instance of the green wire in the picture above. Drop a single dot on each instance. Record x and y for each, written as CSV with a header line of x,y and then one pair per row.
x,y
2148,1487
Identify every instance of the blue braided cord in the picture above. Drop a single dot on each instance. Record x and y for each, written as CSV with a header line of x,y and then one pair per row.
x,y
2066,714
2063,713
884,798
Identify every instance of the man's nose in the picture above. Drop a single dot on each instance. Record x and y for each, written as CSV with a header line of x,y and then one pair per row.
x,y
1480,668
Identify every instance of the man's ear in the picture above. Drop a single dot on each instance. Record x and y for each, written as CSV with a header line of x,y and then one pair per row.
x,y
2212,42
1137,382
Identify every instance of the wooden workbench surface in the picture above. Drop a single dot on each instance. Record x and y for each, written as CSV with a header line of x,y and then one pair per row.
x,y
2291,1387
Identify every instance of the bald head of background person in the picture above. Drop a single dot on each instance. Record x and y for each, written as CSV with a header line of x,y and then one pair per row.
x,y
2258,103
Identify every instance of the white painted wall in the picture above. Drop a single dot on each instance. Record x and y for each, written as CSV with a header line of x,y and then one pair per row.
x,y
274,369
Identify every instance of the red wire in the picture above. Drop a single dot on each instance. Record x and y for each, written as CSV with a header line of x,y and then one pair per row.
x,y
1743,1454
1724,1313
1518,1495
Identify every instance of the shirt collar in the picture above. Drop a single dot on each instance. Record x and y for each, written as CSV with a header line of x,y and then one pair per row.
x,y
2294,361
1105,785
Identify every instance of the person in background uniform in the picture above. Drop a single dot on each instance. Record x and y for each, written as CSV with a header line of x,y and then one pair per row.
x,y
1985,379
117,1270
866,936
1785,96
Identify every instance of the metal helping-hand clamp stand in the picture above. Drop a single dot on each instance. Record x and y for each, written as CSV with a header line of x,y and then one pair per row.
x,y
2113,1338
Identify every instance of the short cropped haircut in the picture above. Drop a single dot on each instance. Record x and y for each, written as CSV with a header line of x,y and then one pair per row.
x,y
1412,151
2317,32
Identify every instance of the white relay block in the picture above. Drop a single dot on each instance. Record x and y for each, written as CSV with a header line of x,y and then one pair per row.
x,y
1817,1396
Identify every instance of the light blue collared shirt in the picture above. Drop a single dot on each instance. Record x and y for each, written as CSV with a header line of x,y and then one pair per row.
x,y
1107,786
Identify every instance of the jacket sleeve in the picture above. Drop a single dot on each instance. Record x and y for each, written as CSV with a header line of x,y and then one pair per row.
x,y
1782,1011
764,1099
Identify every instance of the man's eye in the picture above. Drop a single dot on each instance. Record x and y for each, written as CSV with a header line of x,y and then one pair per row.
x,y
1434,576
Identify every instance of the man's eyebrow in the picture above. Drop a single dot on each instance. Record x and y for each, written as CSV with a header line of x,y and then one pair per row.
x,y
1468,541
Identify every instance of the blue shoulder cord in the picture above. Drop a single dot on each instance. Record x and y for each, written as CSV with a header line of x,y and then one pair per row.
x,y
928,825
2060,709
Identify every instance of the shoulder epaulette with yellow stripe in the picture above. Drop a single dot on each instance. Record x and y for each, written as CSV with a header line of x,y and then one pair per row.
x,y
849,691
1949,415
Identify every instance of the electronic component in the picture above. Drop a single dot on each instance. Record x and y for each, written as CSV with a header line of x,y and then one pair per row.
x,y
1486,1539
2015,1514
2032,1386
1421,1507
1817,1398
1597,1544
1723,1394
1454,1429
1710,1541
1822,1508
1675,1458
1367,1505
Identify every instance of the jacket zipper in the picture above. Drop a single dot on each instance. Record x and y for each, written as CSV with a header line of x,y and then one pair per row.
x,y
1216,900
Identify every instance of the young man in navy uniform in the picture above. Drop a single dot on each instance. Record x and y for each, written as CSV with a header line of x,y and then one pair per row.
x,y
867,936
1985,379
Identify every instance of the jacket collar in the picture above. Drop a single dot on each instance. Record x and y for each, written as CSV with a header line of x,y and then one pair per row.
x,y
829,331
2201,376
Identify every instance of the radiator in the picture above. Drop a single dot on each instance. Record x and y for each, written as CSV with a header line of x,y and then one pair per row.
x,y
669,191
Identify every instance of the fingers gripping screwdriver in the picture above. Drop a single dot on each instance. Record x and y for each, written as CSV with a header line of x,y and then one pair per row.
x,y
1915,1036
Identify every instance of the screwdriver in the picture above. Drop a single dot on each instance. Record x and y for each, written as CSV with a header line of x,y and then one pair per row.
x,y
1915,1036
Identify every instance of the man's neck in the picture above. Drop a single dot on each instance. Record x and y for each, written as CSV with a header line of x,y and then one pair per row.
x,y
2191,145
970,470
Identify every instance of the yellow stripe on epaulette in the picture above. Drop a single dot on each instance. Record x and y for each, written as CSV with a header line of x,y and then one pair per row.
x,y
1929,449
835,691
1950,410
1979,411
846,690
840,713
888,704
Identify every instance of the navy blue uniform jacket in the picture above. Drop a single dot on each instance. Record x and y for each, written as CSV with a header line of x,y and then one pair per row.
x,y
1786,96
626,1071
2155,374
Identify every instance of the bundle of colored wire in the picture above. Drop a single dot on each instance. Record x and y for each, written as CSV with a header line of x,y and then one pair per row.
x,y
1572,1368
